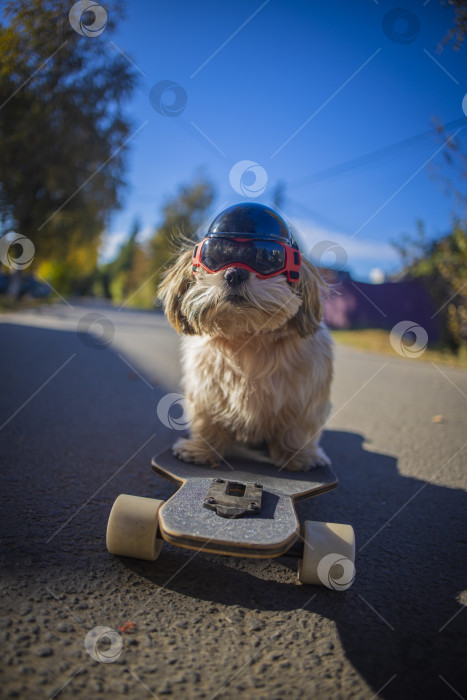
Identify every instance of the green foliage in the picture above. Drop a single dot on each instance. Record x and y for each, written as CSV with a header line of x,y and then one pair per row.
x,y
442,264
124,260
133,277
62,134
133,287
112,278
183,215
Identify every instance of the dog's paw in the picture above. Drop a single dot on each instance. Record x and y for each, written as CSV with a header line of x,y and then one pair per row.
x,y
319,458
303,461
194,452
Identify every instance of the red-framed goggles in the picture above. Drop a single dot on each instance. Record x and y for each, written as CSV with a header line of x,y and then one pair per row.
x,y
264,257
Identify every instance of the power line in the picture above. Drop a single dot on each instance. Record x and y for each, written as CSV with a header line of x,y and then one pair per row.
x,y
374,155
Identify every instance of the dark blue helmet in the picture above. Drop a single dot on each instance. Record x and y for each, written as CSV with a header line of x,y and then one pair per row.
x,y
251,220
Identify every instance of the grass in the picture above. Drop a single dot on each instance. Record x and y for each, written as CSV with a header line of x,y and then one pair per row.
x,y
377,340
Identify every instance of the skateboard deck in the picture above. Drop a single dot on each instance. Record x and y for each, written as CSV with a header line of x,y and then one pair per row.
x,y
241,508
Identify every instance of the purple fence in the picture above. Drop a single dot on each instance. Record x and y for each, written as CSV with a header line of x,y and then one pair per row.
x,y
352,304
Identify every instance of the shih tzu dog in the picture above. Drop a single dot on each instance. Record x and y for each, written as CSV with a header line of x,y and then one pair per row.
x,y
257,360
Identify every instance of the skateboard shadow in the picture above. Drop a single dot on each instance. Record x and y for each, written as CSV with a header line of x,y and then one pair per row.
x,y
399,624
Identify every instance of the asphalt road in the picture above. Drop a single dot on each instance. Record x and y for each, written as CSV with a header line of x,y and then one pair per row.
x,y
79,426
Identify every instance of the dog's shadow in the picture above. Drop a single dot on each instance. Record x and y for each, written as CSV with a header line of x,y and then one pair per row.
x,y
399,623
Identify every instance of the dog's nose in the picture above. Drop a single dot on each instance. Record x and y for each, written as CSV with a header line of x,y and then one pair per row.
x,y
235,275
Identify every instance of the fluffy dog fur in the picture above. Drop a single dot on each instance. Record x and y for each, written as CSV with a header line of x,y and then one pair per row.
x,y
257,363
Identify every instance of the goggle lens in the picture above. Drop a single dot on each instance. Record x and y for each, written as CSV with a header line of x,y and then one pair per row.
x,y
265,257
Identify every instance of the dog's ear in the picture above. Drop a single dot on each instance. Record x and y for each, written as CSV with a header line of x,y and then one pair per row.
x,y
310,313
176,281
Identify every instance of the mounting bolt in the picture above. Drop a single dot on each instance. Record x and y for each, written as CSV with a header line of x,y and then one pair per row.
x,y
258,486
210,500
219,481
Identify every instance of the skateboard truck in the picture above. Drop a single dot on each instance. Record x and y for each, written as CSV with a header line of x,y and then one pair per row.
x,y
232,499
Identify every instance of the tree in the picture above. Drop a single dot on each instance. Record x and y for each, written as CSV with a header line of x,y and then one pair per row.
x,y
116,276
183,215
452,172
442,264
278,194
458,31
63,132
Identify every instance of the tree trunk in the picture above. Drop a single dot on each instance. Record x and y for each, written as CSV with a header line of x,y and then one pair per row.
x,y
14,284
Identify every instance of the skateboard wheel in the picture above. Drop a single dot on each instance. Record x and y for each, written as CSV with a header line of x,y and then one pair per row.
x,y
132,527
328,555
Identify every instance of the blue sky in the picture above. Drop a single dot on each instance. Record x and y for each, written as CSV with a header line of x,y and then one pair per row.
x,y
301,87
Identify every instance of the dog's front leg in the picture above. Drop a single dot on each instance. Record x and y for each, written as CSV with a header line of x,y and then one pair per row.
x,y
207,444
300,452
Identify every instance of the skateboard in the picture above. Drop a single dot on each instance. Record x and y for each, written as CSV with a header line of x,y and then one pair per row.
x,y
243,508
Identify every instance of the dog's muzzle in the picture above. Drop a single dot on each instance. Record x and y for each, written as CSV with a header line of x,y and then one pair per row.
x,y
234,276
